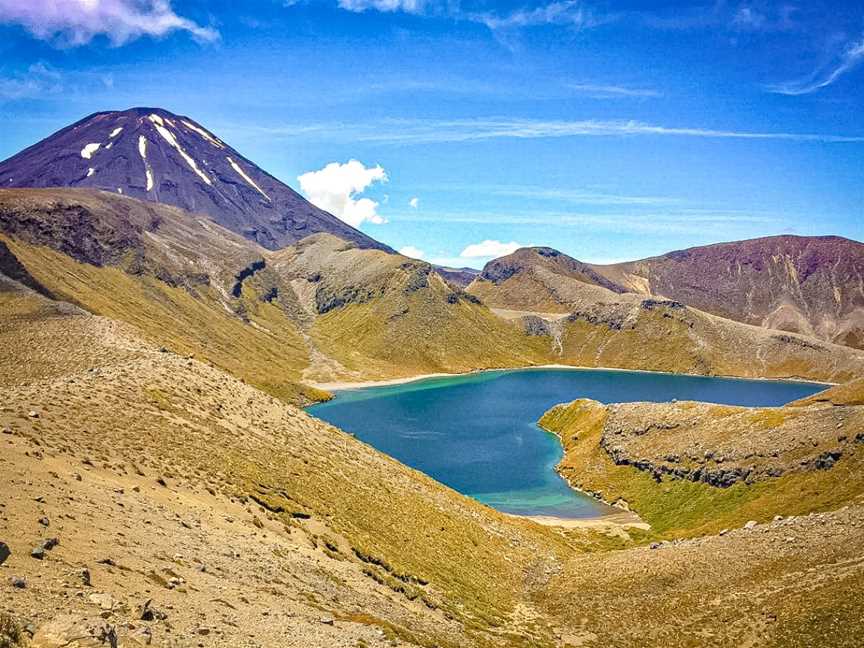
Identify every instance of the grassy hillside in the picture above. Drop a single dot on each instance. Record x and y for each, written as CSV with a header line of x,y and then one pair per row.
x,y
179,278
323,310
541,280
382,544
247,522
694,468
668,336
382,315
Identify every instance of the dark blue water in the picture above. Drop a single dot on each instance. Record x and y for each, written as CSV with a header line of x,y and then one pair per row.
x,y
478,433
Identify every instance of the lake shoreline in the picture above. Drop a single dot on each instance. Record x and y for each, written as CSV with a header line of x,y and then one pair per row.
x,y
618,517
620,520
366,384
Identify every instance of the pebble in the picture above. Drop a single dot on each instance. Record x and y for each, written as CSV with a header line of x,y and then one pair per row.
x,y
18,582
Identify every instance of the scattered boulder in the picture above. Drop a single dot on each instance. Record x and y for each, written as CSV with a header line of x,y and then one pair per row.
x,y
141,637
149,613
44,521
85,577
68,630
38,551
5,552
105,601
18,582
750,524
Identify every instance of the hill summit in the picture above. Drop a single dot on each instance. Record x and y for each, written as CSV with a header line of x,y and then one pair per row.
x,y
155,155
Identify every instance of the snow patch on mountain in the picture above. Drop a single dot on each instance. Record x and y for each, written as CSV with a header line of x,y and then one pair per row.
x,y
168,136
115,132
243,175
88,151
207,136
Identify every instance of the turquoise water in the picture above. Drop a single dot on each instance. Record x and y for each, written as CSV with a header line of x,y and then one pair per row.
x,y
478,433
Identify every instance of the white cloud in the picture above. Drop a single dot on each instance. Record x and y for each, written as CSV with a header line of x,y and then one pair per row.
x,y
38,80
418,131
414,202
570,13
489,249
335,189
567,13
411,251
851,57
748,18
596,91
77,22
408,6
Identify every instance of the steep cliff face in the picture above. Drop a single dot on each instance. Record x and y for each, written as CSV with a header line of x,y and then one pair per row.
x,y
808,285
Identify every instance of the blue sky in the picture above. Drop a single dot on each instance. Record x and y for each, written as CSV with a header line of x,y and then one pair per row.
x,y
609,130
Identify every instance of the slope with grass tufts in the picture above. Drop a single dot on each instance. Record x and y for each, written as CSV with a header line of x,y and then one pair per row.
x,y
690,468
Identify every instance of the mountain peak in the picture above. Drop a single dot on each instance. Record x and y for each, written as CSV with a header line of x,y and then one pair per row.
x,y
156,155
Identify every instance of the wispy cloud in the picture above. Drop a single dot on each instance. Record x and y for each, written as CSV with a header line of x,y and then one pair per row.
x,y
565,13
684,221
850,58
577,196
77,22
408,6
599,91
410,132
37,81
569,13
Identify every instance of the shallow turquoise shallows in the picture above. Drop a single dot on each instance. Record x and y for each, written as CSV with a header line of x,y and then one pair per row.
x,y
478,433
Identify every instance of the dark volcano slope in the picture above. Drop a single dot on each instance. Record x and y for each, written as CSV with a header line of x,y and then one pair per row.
x,y
154,155
804,284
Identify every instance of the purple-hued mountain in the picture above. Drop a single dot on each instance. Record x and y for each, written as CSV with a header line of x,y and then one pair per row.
x,y
154,155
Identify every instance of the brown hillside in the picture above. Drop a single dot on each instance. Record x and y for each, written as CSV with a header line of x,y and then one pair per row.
x,y
807,285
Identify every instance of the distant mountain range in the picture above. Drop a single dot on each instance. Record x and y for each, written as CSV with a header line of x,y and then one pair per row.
x,y
808,285
804,284
306,300
155,155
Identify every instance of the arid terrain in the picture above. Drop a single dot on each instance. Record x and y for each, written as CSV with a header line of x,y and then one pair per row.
x,y
191,509
164,487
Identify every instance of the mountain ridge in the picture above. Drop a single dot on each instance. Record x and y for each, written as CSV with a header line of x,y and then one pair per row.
x,y
158,156
801,284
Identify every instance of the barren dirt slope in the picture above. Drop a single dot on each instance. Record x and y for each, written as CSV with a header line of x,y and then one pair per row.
x,y
244,522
